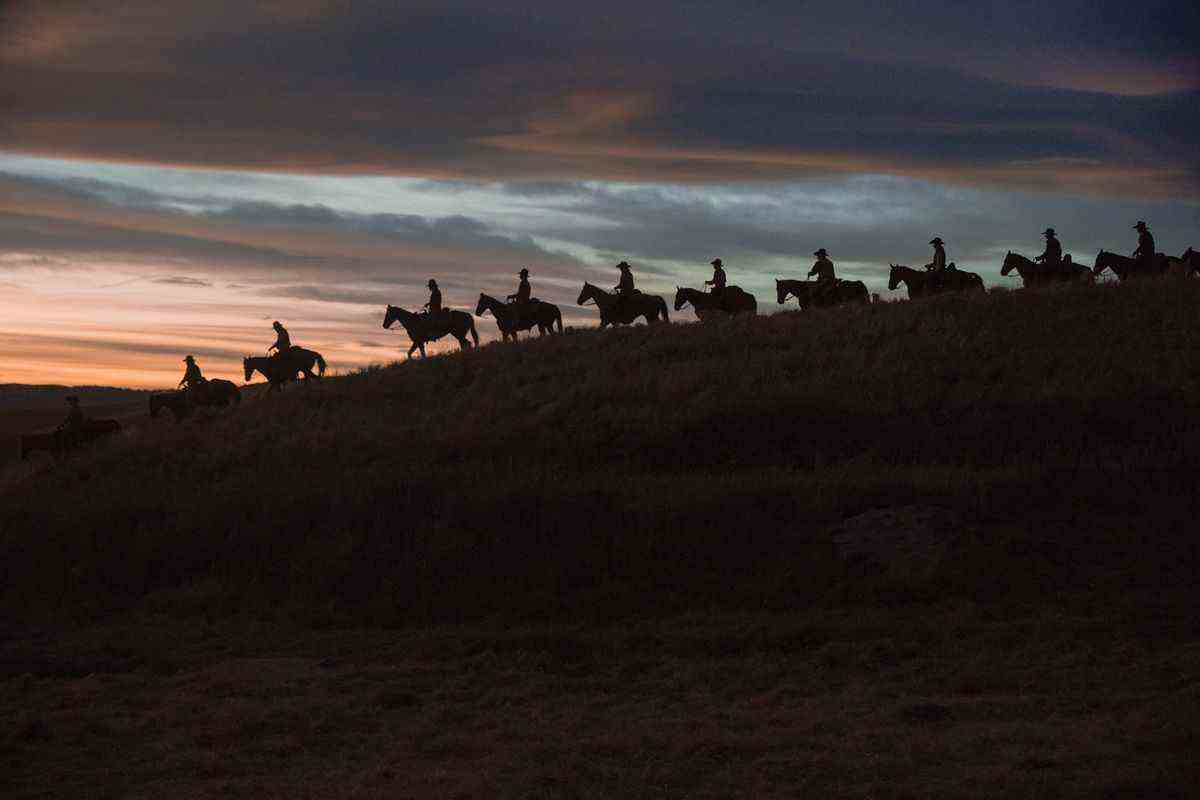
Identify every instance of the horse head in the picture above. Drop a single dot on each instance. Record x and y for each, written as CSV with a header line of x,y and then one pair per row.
x,y
780,292
248,365
1101,263
588,292
1010,263
680,298
893,277
481,306
391,315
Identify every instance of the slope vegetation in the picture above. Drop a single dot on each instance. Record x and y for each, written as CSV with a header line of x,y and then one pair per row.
x,y
652,469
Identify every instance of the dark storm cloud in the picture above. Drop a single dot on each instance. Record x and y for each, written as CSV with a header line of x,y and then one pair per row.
x,y
641,91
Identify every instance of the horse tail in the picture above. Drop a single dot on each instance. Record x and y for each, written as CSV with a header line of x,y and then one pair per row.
x,y
557,320
320,364
662,309
473,332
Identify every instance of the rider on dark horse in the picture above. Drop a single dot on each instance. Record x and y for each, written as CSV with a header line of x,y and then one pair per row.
x,y
434,305
193,382
1053,256
718,282
1145,252
937,267
73,424
624,287
283,342
823,269
520,300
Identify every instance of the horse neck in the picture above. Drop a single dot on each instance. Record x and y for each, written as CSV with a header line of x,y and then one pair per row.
x,y
490,303
601,297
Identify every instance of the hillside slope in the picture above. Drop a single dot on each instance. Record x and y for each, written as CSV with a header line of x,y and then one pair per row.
x,y
668,467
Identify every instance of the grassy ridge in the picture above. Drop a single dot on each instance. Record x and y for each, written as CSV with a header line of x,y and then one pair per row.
x,y
605,473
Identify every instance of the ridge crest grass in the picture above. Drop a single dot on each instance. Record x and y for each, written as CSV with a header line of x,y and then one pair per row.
x,y
653,470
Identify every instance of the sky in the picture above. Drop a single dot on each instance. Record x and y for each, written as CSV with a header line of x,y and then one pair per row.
x,y
176,175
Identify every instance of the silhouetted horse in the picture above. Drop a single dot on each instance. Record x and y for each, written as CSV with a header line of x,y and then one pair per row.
x,y
424,328
58,442
1185,266
732,300
1035,274
280,369
1125,267
1192,259
919,282
544,315
842,292
212,393
616,310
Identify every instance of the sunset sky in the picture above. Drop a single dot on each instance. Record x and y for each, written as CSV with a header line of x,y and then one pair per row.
x,y
176,175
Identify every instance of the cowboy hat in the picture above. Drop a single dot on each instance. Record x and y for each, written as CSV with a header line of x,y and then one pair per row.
x,y
189,358
624,265
821,252
1140,225
716,262
1049,232
523,272
936,240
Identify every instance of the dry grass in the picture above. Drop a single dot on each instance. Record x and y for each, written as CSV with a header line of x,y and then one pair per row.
x,y
603,566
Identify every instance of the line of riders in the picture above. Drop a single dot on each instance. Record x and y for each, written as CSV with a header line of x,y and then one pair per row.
x,y
522,311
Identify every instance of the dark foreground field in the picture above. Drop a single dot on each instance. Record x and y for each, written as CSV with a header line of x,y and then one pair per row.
x,y
940,549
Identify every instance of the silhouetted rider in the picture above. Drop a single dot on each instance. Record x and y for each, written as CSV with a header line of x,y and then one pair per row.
x,y
624,286
1144,254
520,300
939,255
938,266
435,299
523,289
283,342
823,269
1053,255
73,424
718,279
192,378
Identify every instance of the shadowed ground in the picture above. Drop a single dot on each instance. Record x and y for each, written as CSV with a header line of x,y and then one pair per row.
x,y
644,562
